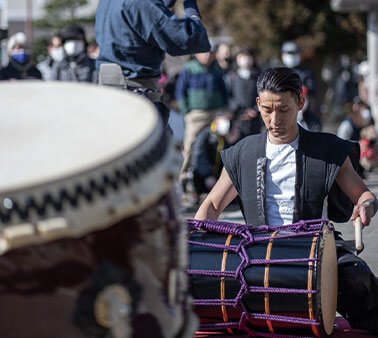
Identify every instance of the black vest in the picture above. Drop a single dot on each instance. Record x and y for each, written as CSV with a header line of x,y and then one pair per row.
x,y
318,160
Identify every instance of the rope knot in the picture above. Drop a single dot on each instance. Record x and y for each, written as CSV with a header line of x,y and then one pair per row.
x,y
301,226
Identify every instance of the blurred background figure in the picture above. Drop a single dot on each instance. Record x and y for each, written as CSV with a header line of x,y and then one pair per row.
x,y
93,50
225,60
306,117
358,117
55,55
20,66
76,66
201,93
206,163
244,92
345,87
363,80
176,119
291,58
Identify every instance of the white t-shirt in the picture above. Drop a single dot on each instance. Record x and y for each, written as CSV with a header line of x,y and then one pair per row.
x,y
280,182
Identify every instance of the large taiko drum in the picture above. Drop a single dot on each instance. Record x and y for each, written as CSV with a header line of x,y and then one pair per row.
x,y
264,281
90,241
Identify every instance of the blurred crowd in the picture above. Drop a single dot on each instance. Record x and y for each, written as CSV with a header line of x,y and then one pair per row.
x,y
212,99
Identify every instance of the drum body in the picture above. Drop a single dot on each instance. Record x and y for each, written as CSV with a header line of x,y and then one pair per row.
x,y
91,244
263,281
55,289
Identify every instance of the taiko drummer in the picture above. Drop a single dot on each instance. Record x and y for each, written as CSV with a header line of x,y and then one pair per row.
x,y
287,174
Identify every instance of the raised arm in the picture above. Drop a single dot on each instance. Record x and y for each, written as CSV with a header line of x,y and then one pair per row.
x,y
222,194
352,185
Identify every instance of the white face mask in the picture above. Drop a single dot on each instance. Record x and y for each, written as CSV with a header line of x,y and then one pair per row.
x,y
223,127
291,60
57,54
366,115
74,47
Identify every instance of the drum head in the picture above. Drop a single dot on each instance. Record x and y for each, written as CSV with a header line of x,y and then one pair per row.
x,y
328,280
55,130
77,158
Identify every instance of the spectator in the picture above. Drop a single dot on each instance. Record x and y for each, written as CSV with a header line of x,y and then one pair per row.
x,y
306,118
20,66
77,66
201,93
345,87
244,93
93,50
363,80
176,120
358,118
55,55
291,58
223,55
206,163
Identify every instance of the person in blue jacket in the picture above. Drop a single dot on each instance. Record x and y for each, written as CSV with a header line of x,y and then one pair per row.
x,y
134,35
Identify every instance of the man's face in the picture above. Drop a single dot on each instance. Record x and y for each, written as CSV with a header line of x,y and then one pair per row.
x,y
279,112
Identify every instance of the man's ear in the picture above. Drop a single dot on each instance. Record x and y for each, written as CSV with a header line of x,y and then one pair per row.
x,y
301,102
258,102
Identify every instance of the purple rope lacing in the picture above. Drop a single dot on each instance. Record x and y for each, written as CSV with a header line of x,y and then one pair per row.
x,y
247,232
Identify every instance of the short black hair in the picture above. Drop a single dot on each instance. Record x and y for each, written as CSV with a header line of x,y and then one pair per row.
x,y
280,80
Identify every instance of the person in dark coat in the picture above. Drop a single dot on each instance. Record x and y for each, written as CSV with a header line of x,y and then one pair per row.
x,y
244,93
135,35
20,66
77,66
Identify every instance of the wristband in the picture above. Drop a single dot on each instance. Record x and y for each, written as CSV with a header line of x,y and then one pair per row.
x,y
373,202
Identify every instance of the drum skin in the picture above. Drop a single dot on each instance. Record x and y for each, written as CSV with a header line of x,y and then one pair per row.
x,y
50,290
289,275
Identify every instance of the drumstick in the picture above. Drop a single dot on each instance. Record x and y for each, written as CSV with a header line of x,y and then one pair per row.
x,y
358,234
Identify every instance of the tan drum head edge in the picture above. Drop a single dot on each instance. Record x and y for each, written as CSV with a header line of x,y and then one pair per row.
x,y
154,164
328,284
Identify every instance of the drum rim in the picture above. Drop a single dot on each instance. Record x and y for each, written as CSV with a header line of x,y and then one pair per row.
x,y
92,200
326,304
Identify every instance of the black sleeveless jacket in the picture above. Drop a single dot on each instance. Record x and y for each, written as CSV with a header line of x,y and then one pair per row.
x,y
318,160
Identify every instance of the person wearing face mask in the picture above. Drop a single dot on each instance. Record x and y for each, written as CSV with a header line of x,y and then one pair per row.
x,y
244,93
358,118
20,66
291,58
55,55
76,65
134,35
306,117
206,164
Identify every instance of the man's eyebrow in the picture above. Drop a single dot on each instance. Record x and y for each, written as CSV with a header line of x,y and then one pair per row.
x,y
284,106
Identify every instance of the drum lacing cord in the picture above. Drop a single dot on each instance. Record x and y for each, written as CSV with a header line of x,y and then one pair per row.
x,y
300,229
87,191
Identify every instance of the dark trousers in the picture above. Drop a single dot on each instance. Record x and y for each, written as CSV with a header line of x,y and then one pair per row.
x,y
357,299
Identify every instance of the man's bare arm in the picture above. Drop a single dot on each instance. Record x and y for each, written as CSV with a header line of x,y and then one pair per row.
x,y
219,197
354,187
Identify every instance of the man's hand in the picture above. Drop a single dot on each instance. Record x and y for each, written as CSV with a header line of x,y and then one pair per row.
x,y
365,210
354,187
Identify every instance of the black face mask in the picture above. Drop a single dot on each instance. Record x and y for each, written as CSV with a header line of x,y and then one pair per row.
x,y
169,3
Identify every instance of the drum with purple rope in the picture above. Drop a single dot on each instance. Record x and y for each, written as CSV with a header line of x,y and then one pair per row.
x,y
264,281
